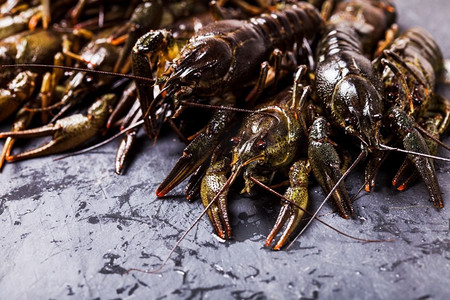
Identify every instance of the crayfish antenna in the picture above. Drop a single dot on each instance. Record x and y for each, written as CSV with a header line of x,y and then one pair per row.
x,y
106,73
389,148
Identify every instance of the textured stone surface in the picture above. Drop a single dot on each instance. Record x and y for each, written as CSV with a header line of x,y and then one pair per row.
x,y
70,228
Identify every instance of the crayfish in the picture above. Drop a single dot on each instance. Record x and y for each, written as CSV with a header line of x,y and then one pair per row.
x,y
354,80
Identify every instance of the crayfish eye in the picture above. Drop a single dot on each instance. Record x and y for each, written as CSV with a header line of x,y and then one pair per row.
x,y
261,144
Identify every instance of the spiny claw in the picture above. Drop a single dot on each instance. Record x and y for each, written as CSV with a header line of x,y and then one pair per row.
x,y
407,173
413,141
325,164
192,190
197,152
68,132
212,183
405,176
291,215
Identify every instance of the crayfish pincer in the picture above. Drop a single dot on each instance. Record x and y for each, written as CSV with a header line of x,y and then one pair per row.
x,y
69,132
412,140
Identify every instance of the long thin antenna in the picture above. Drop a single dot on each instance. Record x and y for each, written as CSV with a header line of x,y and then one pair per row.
x,y
312,215
134,77
220,107
358,159
225,186
385,147
353,199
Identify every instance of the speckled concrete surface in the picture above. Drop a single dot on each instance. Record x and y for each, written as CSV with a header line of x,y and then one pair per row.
x,y
70,228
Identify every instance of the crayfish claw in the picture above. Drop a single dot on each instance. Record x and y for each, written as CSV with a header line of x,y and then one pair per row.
x,y
193,186
376,158
325,163
69,132
414,142
291,211
125,146
212,184
185,165
424,166
197,152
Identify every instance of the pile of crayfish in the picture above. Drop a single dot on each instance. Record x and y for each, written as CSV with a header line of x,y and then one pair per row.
x,y
280,87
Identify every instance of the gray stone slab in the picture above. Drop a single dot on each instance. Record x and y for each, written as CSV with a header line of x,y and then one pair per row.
x,y
70,228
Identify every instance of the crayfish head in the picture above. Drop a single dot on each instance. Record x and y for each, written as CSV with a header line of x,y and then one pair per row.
x,y
260,140
359,107
251,150
264,143
202,66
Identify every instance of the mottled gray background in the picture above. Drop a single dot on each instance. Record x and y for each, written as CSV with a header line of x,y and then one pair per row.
x,y
71,227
